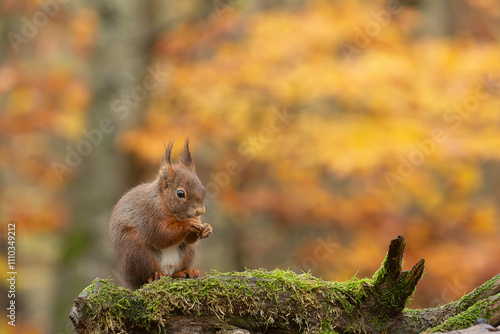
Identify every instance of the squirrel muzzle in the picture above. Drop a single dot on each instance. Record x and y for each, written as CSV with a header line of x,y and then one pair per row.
x,y
197,212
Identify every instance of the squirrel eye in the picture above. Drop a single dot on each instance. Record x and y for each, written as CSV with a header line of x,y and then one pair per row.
x,y
181,194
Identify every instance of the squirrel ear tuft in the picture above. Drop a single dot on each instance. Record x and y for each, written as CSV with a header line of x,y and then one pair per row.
x,y
166,170
168,153
185,157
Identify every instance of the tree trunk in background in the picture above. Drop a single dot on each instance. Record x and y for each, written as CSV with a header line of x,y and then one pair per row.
x,y
438,17
119,64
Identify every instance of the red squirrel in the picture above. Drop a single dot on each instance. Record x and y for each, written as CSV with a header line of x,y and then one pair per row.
x,y
155,226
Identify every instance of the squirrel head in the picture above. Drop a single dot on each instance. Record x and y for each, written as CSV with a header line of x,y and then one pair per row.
x,y
181,191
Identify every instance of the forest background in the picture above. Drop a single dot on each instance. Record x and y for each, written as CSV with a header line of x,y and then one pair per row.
x,y
321,130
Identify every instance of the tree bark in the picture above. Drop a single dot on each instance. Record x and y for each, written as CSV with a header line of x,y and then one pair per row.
x,y
280,302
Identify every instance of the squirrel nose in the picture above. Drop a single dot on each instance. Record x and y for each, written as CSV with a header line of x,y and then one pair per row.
x,y
200,211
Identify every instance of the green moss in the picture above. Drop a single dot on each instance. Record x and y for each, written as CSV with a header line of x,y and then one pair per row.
x,y
465,319
470,308
288,294
303,301
106,305
469,299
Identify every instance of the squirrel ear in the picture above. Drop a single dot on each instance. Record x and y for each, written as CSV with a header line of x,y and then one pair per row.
x,y
185,157
168,153
166,171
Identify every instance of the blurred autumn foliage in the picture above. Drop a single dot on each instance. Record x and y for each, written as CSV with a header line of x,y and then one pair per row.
x,y
320,129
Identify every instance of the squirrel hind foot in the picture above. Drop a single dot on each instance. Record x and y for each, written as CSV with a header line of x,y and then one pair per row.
x,y
190,273
157,276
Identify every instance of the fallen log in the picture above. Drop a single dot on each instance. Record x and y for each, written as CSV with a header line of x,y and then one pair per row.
x,y
480,326
278,301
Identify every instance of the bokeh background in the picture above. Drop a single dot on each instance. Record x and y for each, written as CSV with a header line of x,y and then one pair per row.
x,y
321,130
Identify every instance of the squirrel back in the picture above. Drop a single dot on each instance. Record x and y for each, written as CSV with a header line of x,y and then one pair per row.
x,y
154,226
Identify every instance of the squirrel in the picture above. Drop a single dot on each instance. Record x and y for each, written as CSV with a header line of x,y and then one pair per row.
x,y
155,226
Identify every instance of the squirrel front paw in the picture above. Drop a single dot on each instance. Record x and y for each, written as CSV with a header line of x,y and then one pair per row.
x,y
206,231
197,230
194,230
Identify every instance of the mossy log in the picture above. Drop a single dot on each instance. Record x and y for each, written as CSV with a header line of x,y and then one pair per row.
x,y
259,301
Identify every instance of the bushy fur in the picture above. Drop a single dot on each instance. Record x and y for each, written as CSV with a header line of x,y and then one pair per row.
x,y
155,216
